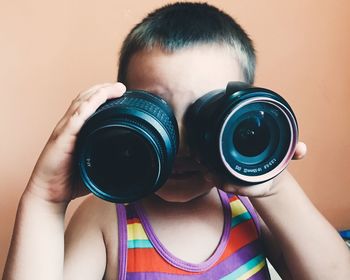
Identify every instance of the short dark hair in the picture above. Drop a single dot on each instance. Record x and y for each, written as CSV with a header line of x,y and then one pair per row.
x,y
185,24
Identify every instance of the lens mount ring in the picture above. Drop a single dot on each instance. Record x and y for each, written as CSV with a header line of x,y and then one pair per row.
x,y
292,124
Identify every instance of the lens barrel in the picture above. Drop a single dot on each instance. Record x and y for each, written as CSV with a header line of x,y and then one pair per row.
x,y
126,149
247,133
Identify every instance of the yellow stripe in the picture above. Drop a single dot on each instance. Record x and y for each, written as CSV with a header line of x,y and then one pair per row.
x,y
237,208
254,270
136,231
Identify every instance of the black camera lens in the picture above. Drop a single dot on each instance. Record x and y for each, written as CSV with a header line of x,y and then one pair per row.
x,y
127,147
246,133
119,155
252,135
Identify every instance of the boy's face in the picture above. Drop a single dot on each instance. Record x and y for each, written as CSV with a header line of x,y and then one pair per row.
x,y
181,78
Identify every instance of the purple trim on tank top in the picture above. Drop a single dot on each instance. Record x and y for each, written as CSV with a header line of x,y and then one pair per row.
x,y
246,202
187,266
122,239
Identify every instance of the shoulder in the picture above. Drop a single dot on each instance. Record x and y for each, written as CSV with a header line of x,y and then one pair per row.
x,y
93,233
96,211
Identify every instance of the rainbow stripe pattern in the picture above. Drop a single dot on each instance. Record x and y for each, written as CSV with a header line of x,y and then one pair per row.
x,y
238,256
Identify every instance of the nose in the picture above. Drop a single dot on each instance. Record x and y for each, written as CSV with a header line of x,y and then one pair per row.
x,y
184,149
180,105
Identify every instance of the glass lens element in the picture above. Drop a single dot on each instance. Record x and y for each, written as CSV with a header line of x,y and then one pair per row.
x,y
123,161
252,135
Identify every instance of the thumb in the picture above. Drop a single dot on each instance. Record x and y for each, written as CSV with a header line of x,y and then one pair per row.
x,y
300,151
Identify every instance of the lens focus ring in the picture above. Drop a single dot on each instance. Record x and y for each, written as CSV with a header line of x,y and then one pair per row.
x,y
147,106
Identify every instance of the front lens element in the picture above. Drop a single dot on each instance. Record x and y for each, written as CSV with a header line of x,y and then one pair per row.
x,y
256,138
123,162
252,135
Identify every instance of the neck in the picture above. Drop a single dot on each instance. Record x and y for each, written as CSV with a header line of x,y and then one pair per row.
x,y
155,203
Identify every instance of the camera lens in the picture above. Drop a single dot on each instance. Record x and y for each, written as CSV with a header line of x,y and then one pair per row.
x,y
126,149
119,155
246,133
263,135
252,135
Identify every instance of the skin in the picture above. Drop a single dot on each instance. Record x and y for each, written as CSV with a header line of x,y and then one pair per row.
x,y
180,209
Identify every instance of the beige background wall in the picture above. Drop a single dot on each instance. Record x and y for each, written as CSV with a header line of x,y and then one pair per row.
x,y
51,50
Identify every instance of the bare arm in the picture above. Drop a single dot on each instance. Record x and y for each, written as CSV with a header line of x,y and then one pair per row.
x,y
80,254
37,246
300,242
310,248
273,252
37,241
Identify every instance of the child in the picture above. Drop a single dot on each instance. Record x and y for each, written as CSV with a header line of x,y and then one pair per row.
x,y
188,229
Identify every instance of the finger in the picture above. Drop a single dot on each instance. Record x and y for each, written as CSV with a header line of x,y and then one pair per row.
x,y
87,94
93,89
82,97
300,151
88,107
71,124
76,102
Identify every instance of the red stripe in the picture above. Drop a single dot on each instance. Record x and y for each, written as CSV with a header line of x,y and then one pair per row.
x,y
233,198
148,260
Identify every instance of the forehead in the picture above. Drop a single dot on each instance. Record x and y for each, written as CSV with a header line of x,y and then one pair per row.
x,y
193,70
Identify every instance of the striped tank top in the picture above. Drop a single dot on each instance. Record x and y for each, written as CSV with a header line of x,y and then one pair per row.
x,y
239,254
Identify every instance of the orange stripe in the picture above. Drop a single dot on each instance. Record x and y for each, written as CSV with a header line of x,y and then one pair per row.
x,y
133,221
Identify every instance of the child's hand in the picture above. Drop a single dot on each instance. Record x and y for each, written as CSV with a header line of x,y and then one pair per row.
x,y
259,190
53,178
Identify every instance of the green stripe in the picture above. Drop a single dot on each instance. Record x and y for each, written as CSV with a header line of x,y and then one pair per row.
x,y
240,218
139,243
244,268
